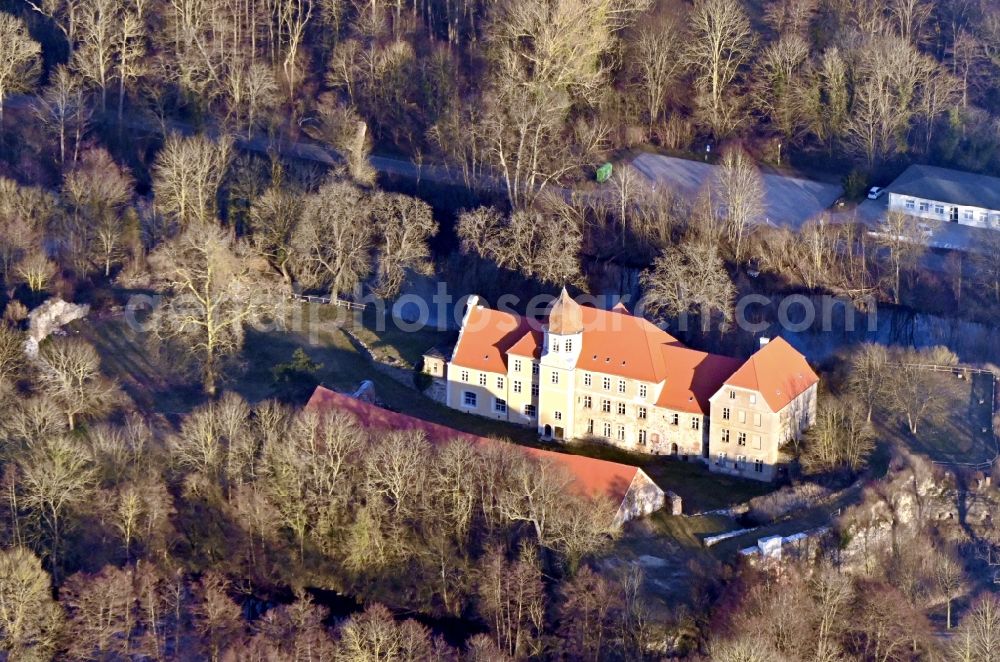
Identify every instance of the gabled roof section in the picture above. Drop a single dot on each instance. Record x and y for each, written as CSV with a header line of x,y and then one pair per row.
x,y
485,338
624,345
592,477
693,378
529,345
946,185
777,371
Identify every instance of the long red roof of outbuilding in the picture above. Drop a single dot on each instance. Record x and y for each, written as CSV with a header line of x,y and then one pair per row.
x,y
594,477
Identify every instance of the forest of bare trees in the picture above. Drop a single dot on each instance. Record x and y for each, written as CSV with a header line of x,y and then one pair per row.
x,y
149,148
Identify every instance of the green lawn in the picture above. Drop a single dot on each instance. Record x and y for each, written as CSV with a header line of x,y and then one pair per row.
x,y
388,339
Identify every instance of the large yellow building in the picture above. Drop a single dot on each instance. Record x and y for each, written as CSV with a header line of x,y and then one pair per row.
x,y
586,373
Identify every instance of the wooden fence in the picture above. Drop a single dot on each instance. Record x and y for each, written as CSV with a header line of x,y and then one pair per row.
x,y
333,301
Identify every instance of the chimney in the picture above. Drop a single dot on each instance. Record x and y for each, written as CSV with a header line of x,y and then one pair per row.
x,y
764,341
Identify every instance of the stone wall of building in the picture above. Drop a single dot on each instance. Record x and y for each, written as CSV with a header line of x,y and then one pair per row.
x,y
643,497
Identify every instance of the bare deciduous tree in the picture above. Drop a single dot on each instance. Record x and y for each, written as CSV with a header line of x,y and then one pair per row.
x,y
97,192
404,226
978,637
840,438
656,60
912,388
543,245
63,109
70,374
689,278
30,618
740,195
187,175
57,475
869,370
334,239
273,220
720,46
20,58
902,239
214,293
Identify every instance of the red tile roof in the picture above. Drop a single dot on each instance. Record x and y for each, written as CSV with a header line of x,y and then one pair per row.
x,y
777,371
485,338
693,378
623,345
593,477
614,342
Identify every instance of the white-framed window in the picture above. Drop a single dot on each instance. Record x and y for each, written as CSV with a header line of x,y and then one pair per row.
x,y
642,437
606,383
758,466
741,462
732,394
569,344
642,412
517,365
500,406
534,390
924,205
755,439
675,419
621,433
724,437
721,459
555,377
642,390
741,439
558,415
555,345
695,423
607,430
606,406
465,376
587,402
534,368
590,426
470,399
742,416
968,215
530,411
911,203
482,379
499,382
753,398
621,408
939,210
621,385
587,379
756,419
517,386
725,413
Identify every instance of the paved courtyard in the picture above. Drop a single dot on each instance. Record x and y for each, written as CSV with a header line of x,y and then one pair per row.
x,y
789,201
944,234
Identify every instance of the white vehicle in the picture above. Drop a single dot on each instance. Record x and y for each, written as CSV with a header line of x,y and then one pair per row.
x,y
875,192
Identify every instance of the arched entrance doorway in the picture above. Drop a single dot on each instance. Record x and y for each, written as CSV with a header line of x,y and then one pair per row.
x,y
548,432
673,449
